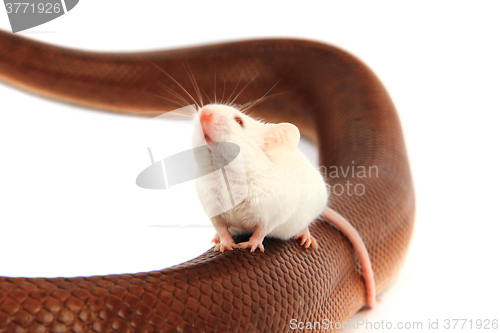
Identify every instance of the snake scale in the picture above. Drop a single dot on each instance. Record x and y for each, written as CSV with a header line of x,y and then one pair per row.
x,y
329,94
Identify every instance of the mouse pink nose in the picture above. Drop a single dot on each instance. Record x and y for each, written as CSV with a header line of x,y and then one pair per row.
x,y
206,116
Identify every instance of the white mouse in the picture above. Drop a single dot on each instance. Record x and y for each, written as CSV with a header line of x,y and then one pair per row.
x,y
281,192
285,192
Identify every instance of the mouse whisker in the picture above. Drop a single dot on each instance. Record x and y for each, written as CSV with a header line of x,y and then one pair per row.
x,y
236,86
180,114
246,85
173,92
171,100
215,86
247,105
207,96
178,84
193,81
260,99
223,92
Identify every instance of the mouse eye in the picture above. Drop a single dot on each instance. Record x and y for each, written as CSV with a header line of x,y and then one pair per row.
x,y
239,121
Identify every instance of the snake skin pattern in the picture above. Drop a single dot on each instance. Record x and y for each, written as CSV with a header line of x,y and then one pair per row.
x,y
330,95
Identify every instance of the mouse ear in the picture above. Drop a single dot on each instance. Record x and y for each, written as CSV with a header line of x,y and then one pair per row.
x,y
280,138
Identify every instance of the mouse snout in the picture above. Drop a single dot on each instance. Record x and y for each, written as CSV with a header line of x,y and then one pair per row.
x,y
214,121
206,116
207,123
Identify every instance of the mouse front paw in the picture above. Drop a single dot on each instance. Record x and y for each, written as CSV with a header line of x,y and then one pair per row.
x,y
216,239
224,246
252,245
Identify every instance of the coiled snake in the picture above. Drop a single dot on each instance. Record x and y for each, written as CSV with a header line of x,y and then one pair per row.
x,y
329,94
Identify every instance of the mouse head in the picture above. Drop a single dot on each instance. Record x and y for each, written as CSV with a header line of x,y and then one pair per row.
x,y
222,123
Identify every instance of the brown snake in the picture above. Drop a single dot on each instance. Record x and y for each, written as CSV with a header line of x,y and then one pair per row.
x,y
329,94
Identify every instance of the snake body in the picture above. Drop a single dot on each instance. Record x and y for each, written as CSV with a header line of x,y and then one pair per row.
x,y
329,94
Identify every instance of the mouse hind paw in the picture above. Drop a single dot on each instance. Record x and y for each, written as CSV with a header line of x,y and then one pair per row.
x,y
306,239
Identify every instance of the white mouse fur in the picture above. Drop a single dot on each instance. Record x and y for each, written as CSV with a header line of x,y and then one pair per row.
x,y
285,191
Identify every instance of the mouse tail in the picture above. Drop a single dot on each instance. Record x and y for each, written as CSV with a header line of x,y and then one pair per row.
x,y
339,222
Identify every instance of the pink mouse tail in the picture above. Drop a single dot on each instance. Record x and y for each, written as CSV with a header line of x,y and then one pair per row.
x,y
347,229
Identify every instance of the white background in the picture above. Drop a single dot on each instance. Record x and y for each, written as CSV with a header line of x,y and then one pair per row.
x,y
70,206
